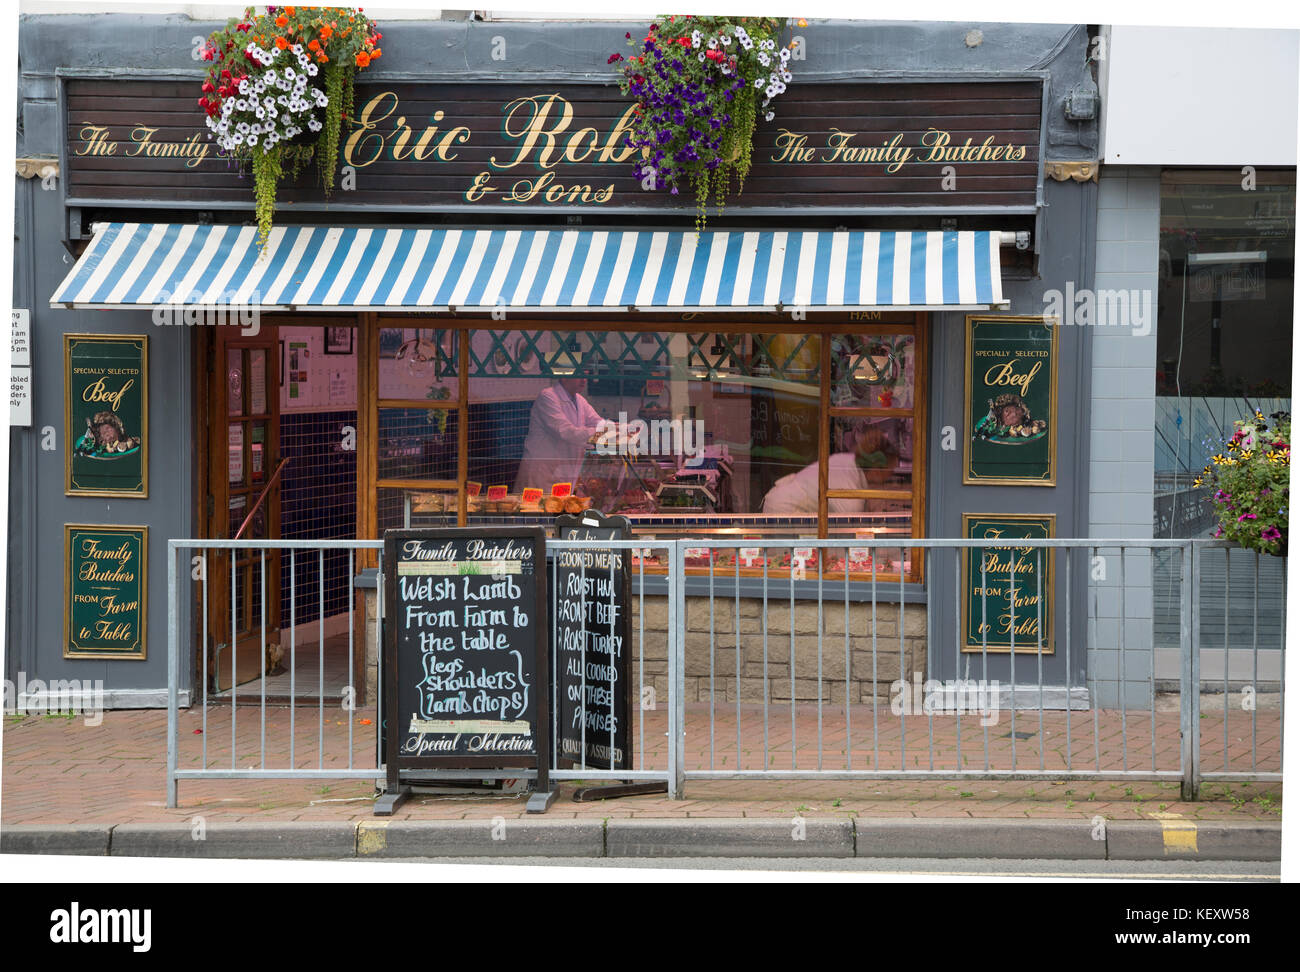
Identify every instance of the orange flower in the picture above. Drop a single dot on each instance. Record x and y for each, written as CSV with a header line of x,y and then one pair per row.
x,y
322,57
281,43
289,11
375,53
313,45
326,31
363,59
282,21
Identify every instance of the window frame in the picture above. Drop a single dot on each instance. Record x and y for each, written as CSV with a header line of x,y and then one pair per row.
x,y
915,324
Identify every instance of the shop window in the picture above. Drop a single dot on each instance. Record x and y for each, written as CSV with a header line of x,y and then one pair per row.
x,y
1224,324
687,433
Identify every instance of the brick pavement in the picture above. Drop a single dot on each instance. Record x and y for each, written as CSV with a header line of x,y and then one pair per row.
x,y
58,770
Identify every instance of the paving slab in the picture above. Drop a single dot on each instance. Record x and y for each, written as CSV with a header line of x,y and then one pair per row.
x,y
699,837
488,837
947,838
286,840
85,840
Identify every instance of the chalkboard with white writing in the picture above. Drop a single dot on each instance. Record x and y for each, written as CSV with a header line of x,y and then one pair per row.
x,y
591,644
465,650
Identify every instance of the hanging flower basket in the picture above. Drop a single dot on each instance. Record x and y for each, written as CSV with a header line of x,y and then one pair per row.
x,y
1251,479
700,85
278,90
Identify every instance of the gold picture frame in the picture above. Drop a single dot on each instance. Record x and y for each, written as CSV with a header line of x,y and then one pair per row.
x,y
71,487
973,478
1049,593
135,654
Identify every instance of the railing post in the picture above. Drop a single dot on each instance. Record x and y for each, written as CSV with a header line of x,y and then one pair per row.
x,y
173,672
1189,700
676,670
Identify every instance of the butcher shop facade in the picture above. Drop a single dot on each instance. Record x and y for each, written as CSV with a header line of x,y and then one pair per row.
x,y
492,321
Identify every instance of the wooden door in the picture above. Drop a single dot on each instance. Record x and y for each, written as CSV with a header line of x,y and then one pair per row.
x,y
243,456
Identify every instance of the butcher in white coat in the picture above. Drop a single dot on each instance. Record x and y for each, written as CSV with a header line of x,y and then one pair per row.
x,y
559,426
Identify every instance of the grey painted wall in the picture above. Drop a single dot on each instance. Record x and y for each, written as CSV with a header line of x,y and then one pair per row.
x,y
1066,257
38,508
1122,436
570,51
125,45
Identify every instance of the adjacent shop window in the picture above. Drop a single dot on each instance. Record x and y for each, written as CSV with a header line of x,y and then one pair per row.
x,y
749,434
1224,325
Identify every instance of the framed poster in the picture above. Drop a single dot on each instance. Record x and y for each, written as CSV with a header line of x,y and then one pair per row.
x,y
390,341
105,591
993,576
106,414
1011,425
338,340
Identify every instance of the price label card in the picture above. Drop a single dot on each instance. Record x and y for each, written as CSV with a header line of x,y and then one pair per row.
x,y
472,488
497,492
803,555
561,490
697,553
749,556
860,554
532,494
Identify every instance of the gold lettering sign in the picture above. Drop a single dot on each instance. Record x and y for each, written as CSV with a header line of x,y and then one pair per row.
x,y
1008,590
105,592
506,145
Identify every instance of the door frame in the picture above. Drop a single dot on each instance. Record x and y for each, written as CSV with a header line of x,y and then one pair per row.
x,y
210,423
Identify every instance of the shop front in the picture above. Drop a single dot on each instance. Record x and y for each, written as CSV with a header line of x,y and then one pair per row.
x,y
493,322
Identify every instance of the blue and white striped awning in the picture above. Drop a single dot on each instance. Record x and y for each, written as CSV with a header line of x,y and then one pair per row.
x,y
336,268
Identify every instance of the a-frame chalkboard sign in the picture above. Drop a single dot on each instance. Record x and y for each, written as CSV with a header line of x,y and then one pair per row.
x,y
465,653
591,653
591,644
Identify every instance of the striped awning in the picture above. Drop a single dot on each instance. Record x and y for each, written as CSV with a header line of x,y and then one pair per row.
x,y
335,268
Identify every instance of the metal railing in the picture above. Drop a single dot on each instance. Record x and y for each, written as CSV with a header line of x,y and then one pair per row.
x,y
756,680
